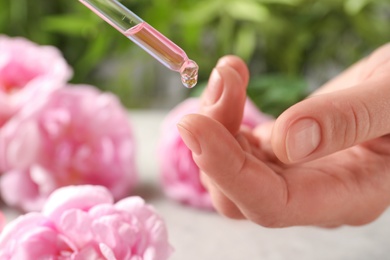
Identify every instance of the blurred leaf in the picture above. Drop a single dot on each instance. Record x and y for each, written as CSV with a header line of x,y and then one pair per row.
x,y
247,11
3,15
225,35
286,2
245,44
159,15
275,93
70,24
93,54
353,7
193,37
201,12
18,11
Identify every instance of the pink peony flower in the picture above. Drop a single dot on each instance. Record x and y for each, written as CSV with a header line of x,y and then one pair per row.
x,y
23,65
81,222
179,173
2,221
74,136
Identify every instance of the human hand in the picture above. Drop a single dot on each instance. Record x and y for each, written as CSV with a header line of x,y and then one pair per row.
x,y
325,161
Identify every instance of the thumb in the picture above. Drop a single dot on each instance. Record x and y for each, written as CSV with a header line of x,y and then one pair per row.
x,y
328,123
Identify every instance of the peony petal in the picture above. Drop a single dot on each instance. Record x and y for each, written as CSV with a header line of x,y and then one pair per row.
x,y
55,121
104,230
130,204
87,253
107,252
17,227
39,243
17,188
2,221
43,179
107,150
150,254
102,210
23,148
75,224
75,197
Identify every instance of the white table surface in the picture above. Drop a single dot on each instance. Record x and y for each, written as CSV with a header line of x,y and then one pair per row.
x,y
199,235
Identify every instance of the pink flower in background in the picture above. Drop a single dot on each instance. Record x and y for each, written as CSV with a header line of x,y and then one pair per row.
x,y
76,135
81,222
23,66
2,221
179,173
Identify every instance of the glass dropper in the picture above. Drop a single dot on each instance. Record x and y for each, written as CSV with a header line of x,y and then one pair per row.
x,y
145,36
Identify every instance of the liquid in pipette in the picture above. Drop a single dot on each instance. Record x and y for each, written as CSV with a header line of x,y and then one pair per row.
x,y
164,50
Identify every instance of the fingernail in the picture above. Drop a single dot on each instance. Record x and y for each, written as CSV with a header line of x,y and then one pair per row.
x,y
189,139
214,88
303,138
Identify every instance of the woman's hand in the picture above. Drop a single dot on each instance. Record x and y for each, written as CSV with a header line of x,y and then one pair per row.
x,y
325,161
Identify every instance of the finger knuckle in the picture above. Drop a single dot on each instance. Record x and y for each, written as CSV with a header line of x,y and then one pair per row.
x,y
351,122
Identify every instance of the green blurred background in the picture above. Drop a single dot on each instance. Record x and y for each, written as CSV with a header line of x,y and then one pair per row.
x,y
291,46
